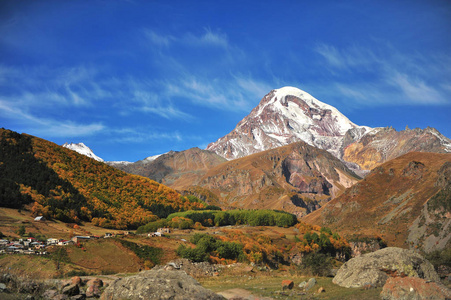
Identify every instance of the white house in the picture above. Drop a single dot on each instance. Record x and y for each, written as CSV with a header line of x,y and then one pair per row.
x,y
154,234
164,230
52,241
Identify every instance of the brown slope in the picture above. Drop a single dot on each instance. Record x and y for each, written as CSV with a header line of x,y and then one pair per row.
x,y
176,169
297,178
384,144
406,201
65,185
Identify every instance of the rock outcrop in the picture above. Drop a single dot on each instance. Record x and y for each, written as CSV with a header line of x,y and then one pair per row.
x,y
158,284
375,268
384,144
411,288
195,269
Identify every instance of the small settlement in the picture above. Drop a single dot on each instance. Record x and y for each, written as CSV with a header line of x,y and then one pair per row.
x,y
33,246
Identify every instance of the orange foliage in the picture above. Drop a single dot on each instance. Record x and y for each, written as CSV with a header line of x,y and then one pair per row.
x,y
113,198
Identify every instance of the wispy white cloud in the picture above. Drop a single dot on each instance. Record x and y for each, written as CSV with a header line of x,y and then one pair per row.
x,y
234,93
158,39
332,56
402,78
208,38
139,135
150,102
48,126
417,90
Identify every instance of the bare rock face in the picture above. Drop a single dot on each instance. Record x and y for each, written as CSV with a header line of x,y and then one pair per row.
x,y
175,169
383,144
285,116
375,268
411,288
297,178
158,284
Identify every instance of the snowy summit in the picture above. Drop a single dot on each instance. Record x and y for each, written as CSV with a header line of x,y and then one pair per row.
x,y
82,149
285,116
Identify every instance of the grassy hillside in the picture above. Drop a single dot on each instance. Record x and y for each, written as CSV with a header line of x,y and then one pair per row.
x,y
405,200
62,184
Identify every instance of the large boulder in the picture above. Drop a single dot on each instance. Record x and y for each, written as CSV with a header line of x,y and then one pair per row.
x,y
376,267
158,284
413,288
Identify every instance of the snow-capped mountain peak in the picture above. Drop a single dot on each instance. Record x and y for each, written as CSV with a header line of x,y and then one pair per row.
x,y
82,149
153,157
284,116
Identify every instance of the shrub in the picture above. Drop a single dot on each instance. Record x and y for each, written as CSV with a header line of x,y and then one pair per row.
x,y
73,273
195,254
232,217
317,264
439,257
144,252
152,226
230,250
196,237
207,243
181,223
21,230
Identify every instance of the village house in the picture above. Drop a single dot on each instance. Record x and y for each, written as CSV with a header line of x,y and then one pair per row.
x,y
13,249
152,234
164,230
64,242
52,241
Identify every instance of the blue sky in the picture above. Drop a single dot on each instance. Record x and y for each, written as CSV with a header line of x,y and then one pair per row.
x,y
132,79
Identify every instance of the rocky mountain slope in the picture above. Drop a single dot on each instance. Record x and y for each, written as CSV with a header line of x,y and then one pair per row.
x,y
297,178
176,169
288,115
285,116
405,200
383,144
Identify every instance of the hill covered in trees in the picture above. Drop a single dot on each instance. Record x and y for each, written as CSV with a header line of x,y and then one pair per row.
x,y
59,183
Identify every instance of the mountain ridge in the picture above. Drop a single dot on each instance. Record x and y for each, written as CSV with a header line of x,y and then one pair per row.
x,y
288,115
405,200
298,178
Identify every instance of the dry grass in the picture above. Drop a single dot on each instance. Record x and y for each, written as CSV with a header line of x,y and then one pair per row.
x,y
104,256
270,285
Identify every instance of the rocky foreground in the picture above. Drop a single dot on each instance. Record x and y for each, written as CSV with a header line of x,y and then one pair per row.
x,y
158,284
402,274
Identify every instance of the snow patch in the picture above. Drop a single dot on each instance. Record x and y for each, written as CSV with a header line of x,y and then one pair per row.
x,y
82,149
